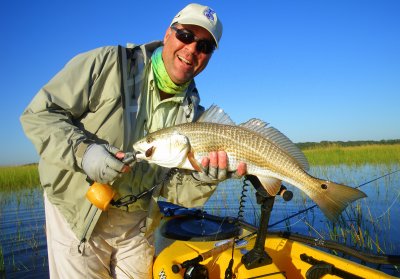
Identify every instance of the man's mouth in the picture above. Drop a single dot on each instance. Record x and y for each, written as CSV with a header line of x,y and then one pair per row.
x,y
187,62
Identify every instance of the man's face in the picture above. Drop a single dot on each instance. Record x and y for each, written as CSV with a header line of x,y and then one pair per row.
x,y
182,61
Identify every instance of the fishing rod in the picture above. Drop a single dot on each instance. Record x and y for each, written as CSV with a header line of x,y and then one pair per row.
x,y
313,206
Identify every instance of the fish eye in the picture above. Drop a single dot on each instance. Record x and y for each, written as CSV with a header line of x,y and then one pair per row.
x,y
324,186
149,139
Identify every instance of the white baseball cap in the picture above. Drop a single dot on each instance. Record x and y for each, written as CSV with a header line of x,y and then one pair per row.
x,y
203,16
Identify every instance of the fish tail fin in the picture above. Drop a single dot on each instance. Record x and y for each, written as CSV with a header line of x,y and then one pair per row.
x,y
335,198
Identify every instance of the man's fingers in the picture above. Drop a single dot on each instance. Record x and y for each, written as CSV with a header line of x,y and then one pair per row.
x,y
216,160
241,169
108,175
112,149
115,164
120,155
126,159
205,162
222,160
213,159
215,167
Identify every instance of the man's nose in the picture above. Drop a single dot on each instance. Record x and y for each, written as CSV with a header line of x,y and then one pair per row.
x,y
192,47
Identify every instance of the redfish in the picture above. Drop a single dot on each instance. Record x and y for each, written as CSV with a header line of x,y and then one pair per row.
x,y
268,154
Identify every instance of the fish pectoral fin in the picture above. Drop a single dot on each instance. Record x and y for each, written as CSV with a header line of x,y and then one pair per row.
x,y
194,162
271,184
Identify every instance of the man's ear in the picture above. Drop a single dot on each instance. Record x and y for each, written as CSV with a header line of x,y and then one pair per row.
x,y
167,34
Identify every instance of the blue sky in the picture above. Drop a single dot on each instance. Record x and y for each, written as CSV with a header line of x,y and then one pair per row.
x,y
316,70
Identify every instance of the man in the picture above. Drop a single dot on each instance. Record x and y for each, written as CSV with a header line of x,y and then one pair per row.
x,y
99,104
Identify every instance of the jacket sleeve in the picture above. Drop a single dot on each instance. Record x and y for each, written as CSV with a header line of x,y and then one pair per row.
x,y
186,191
51,119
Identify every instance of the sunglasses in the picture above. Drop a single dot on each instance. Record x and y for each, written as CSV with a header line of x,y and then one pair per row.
x,y
187,37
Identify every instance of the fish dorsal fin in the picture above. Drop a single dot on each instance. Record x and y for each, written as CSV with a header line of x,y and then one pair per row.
x,y
278,139
215,114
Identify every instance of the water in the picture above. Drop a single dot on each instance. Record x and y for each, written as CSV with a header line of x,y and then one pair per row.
x,y
22,235
371,224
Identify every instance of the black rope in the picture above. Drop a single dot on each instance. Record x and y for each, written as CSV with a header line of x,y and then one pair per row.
x,y
129,199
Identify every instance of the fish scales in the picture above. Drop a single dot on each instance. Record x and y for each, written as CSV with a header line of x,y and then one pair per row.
x,y
246,146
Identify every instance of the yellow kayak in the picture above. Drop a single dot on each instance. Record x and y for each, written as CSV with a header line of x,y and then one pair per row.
x,y
290,259
199,245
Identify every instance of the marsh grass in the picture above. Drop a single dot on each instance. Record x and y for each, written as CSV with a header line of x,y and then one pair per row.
x,y
353,155
14,178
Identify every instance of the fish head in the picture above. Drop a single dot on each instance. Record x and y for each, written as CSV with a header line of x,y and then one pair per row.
x,y
168,150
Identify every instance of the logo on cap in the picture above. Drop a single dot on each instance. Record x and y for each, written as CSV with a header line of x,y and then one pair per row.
x,y
209,13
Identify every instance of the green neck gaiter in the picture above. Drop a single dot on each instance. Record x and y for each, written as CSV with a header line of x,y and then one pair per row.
x,y
162,79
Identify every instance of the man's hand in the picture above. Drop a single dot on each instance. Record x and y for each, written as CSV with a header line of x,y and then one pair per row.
x,y
102,162
215,168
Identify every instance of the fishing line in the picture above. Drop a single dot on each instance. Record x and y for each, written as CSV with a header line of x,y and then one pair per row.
x,y
390,173
387,210
313,206
292,225
311,227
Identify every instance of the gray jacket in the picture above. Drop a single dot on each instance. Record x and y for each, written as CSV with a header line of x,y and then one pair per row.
x,y
87,101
